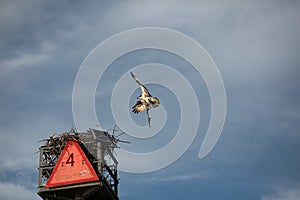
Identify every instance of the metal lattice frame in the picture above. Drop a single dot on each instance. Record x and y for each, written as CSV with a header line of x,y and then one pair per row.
x,y
99,148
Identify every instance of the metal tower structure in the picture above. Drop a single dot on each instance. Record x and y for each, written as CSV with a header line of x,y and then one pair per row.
x,y
78,166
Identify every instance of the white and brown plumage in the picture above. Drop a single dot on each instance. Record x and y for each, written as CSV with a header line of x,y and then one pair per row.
x,y
146,101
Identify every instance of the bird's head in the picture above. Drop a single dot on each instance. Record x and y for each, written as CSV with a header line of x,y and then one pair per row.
x,y
155,102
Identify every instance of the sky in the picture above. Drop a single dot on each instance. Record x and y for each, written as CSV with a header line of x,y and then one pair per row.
x,y
255,45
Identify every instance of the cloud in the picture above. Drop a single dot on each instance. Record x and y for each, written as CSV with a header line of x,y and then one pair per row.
x,y
10,191
192,176
286,194
26,60
167,177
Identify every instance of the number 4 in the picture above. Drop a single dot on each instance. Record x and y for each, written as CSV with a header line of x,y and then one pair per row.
x,y
70,160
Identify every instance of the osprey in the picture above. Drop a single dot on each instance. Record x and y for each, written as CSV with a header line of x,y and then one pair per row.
x,y
146,101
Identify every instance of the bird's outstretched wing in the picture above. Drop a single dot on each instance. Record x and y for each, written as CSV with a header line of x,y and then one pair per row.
x,y
138,107
143,88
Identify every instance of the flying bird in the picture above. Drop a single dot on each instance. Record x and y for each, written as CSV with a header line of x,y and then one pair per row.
x,y
145,102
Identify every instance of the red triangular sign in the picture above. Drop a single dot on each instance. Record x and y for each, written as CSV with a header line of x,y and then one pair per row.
x,y
72,167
